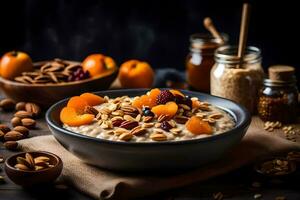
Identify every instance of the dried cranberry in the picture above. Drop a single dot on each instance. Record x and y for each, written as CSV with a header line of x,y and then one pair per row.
x,y
165,126
78,75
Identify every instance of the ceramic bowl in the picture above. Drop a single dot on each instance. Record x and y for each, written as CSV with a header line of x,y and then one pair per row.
x,y
47,94
29,178
151,156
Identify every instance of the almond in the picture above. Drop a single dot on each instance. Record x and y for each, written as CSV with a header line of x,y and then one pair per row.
x,y
156,136
33,108
28,123
11,145
16,121
23,114
138,130
22,129
20,106
7,104
4,128
125,136
21,167
13,136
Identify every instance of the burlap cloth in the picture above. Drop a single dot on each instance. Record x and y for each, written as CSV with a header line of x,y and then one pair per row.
x,y
101,184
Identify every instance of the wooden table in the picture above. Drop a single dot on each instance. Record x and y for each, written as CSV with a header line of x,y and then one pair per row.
x,y
235,185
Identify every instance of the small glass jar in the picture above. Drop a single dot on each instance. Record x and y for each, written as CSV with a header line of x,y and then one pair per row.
x,y
235,80
200,60
278,101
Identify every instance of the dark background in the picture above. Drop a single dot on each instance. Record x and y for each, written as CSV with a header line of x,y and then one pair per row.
x,y
155,31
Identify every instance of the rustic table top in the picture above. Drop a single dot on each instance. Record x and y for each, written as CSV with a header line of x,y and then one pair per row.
x,y
235,185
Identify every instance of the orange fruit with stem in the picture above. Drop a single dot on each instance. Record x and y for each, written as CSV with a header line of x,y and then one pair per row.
x,y
14,63
97,64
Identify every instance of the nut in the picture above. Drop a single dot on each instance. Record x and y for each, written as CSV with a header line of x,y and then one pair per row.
x,y
22,129
23,161
138,130
147,119
7,104
21,167
125,136
30,163
4,128
28,123
91,110
20,106
215,116
181,119
156,136
16,121
1,135
29,159
162,118
129,124
13,136
120,131
11,145
23,114
33,108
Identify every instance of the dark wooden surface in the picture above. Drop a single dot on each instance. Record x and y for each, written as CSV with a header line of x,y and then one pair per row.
x,y
235,185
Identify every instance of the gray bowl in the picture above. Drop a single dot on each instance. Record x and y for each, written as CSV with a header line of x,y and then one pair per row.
x,y
145,156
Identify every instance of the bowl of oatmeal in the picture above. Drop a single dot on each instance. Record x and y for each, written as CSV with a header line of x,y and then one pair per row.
x,y
144,130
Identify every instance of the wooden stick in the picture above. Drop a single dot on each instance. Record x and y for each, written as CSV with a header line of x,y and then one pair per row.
x,y
243,31
209,25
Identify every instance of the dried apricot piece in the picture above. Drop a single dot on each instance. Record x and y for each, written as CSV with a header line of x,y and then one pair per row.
x,y
176,92
92,99
78,103
71,117
195,104
169,109
197,126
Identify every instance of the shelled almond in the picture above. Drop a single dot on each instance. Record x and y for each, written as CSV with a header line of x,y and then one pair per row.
x,y
29,163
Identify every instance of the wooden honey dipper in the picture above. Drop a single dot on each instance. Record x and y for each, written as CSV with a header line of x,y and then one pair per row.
x,y
209,25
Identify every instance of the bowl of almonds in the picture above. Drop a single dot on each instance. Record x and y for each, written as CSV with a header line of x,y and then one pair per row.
x,y
52,80
31,168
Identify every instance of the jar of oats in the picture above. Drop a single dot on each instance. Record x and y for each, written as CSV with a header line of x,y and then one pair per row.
x,y
237,81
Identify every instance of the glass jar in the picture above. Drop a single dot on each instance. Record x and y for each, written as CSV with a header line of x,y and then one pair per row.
x,y
278,101
200,60
235,80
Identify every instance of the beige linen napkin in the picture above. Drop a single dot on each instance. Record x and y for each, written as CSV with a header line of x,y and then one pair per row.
x,y
102,184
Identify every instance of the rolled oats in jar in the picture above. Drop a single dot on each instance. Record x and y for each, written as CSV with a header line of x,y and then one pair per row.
x,y
235,80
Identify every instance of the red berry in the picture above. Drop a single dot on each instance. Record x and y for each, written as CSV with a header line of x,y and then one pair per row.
x,y
164,97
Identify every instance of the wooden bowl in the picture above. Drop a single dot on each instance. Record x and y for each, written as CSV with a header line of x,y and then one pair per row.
x,y
47,94
29,178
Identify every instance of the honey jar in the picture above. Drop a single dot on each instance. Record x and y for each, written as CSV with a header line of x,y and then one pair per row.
x,y
201,59
279,95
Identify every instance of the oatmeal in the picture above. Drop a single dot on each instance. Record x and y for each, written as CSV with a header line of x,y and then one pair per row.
x,y
235,81
169,116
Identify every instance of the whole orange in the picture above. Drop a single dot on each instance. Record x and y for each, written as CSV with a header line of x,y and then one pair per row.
x,y
97,64
136,74
14,63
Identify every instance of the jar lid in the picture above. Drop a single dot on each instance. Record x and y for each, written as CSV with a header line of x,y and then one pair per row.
x,y
281,73
206,41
